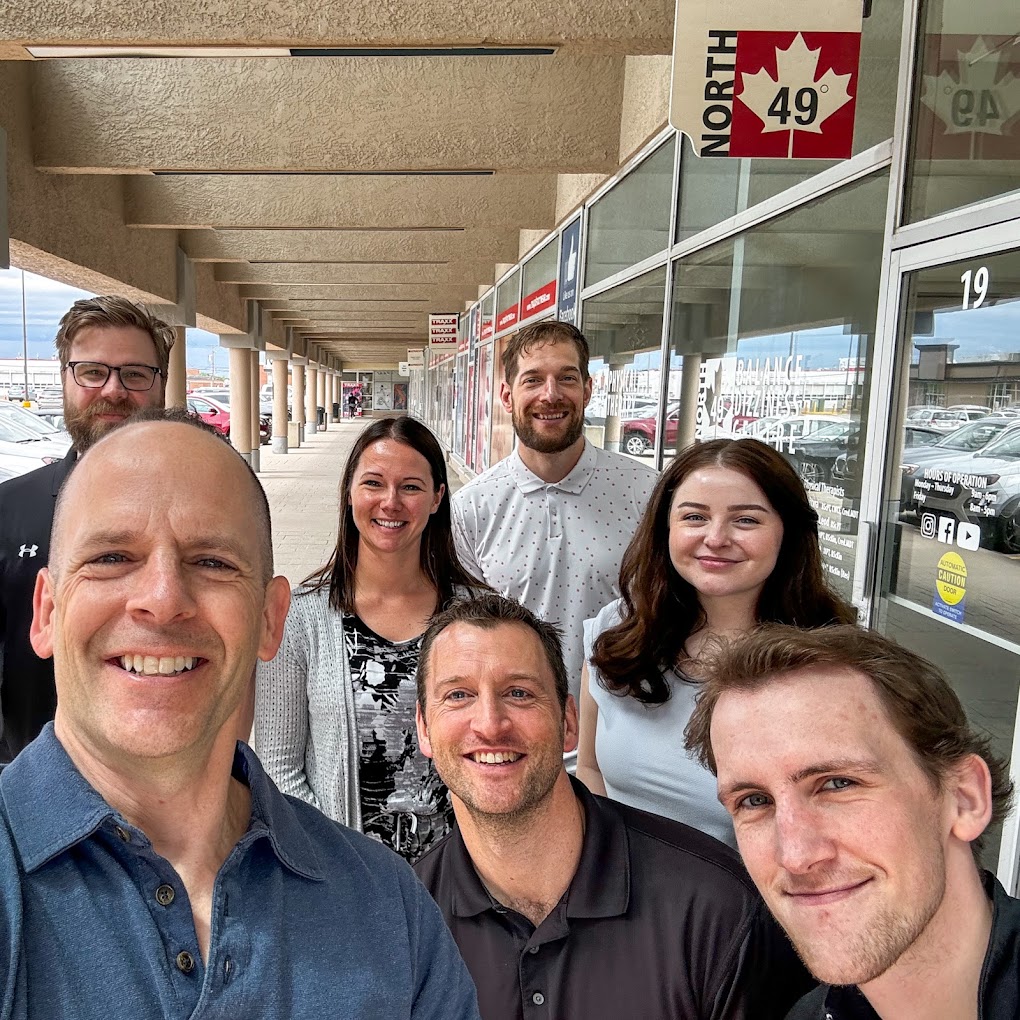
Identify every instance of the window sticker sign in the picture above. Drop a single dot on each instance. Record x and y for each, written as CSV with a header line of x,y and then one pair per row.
x,y
767,80
570,254
970,97
950,597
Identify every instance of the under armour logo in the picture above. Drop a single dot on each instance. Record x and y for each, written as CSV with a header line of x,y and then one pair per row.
x,y
28,550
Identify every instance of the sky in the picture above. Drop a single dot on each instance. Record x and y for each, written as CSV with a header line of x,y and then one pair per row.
x,y
46,301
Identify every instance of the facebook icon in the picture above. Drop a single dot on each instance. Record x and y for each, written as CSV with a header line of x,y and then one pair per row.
x,y
947,528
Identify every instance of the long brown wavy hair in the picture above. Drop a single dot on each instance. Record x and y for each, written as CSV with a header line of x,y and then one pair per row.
x,y
661,610
439,560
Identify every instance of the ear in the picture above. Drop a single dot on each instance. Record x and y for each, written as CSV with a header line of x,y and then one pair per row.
x,y
969,789
43,611
439,498
570,725
274,616
505,397
588,390
424,744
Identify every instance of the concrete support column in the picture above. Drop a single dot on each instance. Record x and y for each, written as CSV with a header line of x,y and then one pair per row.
x,y
256,438
177,376
310,391
240,401
614,428
324,395
280,364
298,405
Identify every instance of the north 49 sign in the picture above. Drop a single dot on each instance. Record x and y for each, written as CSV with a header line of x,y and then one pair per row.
x,y
778,81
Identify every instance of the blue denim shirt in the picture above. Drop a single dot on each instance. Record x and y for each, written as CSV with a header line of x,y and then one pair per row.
x,y
309,919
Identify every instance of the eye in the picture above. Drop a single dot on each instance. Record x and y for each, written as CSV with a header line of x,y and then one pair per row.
x,y
694,517
213,563
748,520
838,783
752,801
371,482
109,559
519,694
413,487
456,696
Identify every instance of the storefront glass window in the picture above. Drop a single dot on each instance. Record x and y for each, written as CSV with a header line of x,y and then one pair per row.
x,y
772,333
952,564
483,406
713,189
538,291
631,221
624,331
488,317
965,139
508,302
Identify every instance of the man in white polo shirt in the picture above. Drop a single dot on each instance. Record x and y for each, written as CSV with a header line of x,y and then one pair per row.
x,y
548,525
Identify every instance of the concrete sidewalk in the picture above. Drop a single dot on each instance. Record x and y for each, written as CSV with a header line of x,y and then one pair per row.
x,y
302,488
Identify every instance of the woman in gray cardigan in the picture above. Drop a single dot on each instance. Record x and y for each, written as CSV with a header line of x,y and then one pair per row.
x,y
334,711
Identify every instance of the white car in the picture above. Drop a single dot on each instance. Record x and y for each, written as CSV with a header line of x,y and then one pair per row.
x,y
24,441
35,422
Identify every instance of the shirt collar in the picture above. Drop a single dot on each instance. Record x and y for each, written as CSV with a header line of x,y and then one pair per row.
x,y
600,886
63,469
574,482
51,807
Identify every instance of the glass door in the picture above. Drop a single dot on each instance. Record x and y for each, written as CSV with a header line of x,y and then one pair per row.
x,y
949,566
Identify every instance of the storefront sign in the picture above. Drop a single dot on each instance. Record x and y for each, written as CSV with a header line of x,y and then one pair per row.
x,y
539,301
779,80
950,597
403,368
443,330
475,322
416,357
486,327
970,98
570,255
508,317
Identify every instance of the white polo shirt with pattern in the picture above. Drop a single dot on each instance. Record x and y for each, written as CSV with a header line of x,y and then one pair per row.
x,y
554,546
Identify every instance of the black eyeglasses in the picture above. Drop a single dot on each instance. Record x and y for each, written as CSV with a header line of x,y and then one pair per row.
x,y
92,375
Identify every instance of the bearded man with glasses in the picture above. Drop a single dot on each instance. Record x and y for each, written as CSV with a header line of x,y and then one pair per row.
x,y
114,357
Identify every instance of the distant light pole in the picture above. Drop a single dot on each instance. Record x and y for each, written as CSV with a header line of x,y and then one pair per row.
x,y
24,336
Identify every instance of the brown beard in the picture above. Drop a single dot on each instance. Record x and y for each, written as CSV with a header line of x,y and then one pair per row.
x,y
84,426
529,436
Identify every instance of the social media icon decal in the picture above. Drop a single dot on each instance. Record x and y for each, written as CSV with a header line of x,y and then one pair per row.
x,y
928,525
946,530
968,536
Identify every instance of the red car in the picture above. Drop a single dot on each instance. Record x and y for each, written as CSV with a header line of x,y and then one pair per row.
x,y
639,433
212,412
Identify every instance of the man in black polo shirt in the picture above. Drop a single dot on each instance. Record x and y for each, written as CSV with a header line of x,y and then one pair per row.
x,y
566,905
859,795
113,359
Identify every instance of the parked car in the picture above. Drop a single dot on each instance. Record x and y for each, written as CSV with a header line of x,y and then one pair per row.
x,y
36,422
945,419
981,488
639,433
814,455
915,437
20,440
969,438
218,415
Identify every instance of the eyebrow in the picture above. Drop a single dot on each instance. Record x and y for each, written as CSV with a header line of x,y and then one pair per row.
x,y
835,766
406,478
731,507
453,681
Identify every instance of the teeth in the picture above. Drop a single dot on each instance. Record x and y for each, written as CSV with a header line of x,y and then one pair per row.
x,y
390,524
495,757
150,665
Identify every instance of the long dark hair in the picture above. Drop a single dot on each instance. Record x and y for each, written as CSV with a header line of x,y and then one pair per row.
x,y
439,560
661,610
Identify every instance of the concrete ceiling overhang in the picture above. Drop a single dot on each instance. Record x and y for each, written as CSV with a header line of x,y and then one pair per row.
x,y
599,26
339,196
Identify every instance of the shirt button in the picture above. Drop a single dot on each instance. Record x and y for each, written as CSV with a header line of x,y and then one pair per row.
x,y
124,835
165,895
185,962
533,949
538,998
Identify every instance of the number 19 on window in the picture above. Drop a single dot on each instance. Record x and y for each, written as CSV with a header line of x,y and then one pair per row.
x,y
975,298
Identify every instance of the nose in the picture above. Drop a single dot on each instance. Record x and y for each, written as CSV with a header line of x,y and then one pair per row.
x,y
717,534
802,839
161,593
391,497
490,720
551,389
113,388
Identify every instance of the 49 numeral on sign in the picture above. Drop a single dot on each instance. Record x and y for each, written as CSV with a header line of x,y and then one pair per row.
x,y
805,102
980,280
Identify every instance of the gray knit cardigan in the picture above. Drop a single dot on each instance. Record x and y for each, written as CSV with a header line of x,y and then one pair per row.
x,y
305,726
